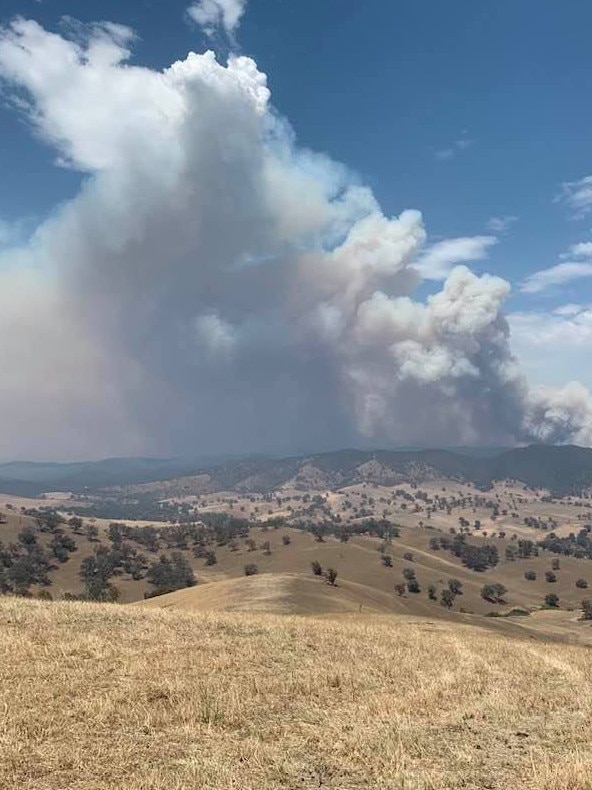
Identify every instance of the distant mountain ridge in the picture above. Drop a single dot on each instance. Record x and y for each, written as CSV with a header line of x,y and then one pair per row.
x,y
561,469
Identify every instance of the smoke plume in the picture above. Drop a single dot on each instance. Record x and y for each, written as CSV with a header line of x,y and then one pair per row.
x,y
215,288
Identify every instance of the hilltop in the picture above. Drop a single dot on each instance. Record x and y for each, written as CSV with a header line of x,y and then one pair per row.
x,y
97,696
562,470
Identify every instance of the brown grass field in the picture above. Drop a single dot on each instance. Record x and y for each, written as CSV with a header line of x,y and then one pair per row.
x,y
96,696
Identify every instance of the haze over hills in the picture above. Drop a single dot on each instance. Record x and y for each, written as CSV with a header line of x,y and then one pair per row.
x,y
560,469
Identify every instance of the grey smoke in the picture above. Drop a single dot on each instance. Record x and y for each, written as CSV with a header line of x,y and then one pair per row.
x,y
215,288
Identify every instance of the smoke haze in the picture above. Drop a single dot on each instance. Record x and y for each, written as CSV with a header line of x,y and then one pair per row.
x,y
215,288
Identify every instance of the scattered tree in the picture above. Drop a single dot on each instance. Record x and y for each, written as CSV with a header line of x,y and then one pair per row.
x,y
331,576
317,568
552,600
493,592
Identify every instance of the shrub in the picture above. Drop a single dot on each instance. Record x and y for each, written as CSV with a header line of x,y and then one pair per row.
x,y
211,558
45,595
434,544
331,576
387,560
455,586
317,568
408,574
552,600
251,569
400,589
432,592
550,576
581,584
413,586
555,564
266,546
530,576
447,598
408,556
286,540
587,609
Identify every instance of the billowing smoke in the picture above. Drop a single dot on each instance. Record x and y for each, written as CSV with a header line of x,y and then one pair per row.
x,y
215,288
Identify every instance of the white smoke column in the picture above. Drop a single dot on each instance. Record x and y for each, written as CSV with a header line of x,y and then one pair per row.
x,y
214,288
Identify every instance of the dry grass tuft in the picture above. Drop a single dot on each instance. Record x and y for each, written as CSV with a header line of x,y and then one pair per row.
x,y
98,696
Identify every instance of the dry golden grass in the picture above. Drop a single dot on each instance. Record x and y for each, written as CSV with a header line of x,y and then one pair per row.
x,y
97,696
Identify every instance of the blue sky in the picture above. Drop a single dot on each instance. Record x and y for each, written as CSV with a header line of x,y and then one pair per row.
x,y
387,88
475,113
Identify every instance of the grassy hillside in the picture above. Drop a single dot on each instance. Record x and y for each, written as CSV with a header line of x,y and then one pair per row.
x,y
364,577
98,696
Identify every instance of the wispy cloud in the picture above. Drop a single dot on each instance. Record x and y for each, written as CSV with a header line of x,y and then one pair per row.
x,y
451,151
438,260
214,15
564,272
561,274
581,250
577,196
500,224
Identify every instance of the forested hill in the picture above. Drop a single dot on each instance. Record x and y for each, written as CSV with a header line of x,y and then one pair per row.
x,y
561,469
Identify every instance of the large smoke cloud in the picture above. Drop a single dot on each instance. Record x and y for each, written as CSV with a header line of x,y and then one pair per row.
x,y
215,288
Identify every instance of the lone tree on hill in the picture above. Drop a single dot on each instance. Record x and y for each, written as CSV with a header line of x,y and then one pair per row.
x,y
331,576
317,568
552,600
494,592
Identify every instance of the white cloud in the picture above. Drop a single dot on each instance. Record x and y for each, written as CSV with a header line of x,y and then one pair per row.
x,y
577,195
560,274
552,346
214,286
500,224
581,250
437,261
451,151
213,15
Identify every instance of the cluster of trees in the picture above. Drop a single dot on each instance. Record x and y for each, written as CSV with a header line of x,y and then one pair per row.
x,y
374,527
330,574
476,557
579,546
27,562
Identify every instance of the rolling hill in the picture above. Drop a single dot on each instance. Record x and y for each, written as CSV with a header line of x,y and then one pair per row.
x,y
560,469
132,698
